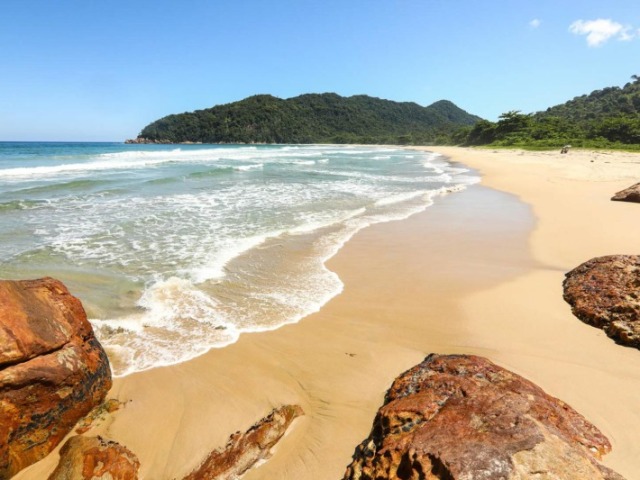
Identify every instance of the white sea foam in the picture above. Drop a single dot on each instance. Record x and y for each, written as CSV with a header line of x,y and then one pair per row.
x,y
174,311
185,153
401,197
133,160
215,255
316,222
246,168
300,162
212,266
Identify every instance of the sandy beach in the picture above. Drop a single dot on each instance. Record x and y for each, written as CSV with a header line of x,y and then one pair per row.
x,y
479,272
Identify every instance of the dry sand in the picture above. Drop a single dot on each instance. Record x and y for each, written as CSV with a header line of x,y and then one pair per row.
x,y
479,272
570,197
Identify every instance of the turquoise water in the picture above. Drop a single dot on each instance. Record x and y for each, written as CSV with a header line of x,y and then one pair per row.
x,y
174,250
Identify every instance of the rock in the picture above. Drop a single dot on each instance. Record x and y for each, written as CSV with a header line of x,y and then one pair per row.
x,y
458,417
631,194
94,458
53,371
243,450
151,141
98,414
145,141
605,292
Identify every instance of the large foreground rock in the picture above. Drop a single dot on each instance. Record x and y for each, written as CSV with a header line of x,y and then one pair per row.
x,y
631,194
605,292
94,458
53,371
459,417
244,450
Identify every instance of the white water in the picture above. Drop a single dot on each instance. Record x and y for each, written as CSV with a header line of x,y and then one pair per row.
x,y
175,251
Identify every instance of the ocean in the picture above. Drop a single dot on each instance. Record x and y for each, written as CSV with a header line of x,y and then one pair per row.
x,y
177,249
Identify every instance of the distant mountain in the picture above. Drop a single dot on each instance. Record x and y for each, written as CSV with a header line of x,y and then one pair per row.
x,y
311,118
607,118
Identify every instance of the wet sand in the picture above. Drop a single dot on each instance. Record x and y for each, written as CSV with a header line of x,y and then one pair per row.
x,y
478,272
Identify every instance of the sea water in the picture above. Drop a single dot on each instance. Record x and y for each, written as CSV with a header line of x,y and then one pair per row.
x,y
174,250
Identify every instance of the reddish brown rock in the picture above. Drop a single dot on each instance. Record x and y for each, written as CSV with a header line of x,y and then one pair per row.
x,y
458,417
631,194
243,450
97,415
605,292
53,371
94,458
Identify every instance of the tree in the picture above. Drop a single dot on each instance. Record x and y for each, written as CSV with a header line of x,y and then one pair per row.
x,y
483,132
619,129
512,122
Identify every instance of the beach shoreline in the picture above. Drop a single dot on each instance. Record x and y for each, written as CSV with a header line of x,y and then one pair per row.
x,y
570,196
478,272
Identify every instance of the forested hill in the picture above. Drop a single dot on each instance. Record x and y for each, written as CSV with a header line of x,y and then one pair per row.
x,y
599,104
606,118
312,118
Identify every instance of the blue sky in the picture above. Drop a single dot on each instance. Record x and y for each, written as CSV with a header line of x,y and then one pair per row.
x,y
89,70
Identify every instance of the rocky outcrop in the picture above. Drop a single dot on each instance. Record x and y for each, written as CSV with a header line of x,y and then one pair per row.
x,y
53,371
98,415
243,450
94,458
631,194
460,417
145,141
605,292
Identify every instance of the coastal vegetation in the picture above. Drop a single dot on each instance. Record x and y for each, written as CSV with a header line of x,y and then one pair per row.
x,y
607,118
313,118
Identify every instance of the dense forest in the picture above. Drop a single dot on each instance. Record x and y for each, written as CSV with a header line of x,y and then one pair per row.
x,y
313,118
607,118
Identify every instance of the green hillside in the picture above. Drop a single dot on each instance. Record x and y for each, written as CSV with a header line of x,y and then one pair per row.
x,y
606,103
312,118
608,118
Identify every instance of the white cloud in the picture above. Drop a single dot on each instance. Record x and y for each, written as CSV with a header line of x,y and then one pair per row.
x,y
627,34
601,30
535,23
